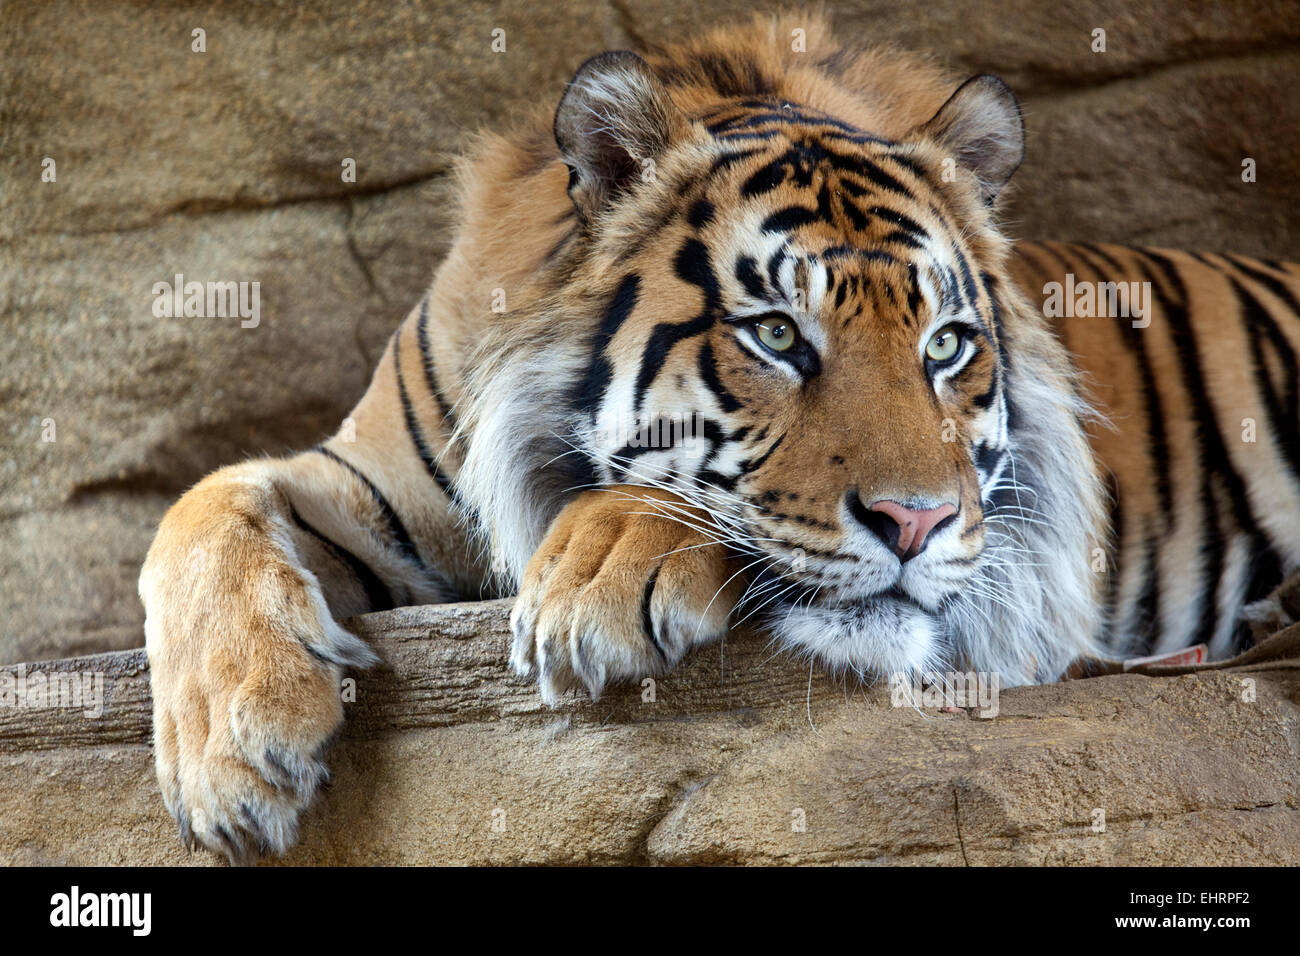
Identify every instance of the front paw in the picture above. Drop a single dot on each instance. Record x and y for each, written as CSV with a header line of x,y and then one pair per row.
x,y
240,739
245,663
622,587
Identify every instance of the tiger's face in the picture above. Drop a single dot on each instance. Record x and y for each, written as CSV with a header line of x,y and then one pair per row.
x,y
801,335
855,390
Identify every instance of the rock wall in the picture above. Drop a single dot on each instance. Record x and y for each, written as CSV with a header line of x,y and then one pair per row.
x,y
226,165
739,757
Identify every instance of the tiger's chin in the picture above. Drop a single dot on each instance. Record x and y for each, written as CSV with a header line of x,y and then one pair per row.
x,y
874,638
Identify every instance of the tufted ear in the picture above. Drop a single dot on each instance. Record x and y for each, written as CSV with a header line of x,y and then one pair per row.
x,y
981,127
614,120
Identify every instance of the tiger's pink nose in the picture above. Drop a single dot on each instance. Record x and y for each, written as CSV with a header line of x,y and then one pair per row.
x,y
907,528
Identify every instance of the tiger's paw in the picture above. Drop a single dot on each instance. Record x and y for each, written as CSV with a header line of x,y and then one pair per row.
x,y
240,740
245,664
620,589
238,785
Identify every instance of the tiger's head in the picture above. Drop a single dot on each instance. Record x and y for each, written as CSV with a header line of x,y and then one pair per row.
x,y
804,328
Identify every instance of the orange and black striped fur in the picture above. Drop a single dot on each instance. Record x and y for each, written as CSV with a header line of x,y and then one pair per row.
x,y
1202,451
864,430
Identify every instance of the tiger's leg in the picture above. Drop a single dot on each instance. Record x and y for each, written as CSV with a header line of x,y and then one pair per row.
x,y
624,584
243,586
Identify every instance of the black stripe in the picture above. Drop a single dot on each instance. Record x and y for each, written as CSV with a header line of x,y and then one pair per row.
x,y
856,215
994,290
1264,321
824,204
647,620
1115,512
967,278
774,263
648,439
1118,272
709,372
1282,408
835,253
1003,365
378,597
396,530
1265,571
748,276
727,160
713,434
742,135
905,238
789,218
987,457
718,479
430,372
913,292
764,180
1269,282
693,267
911,165
759,113
589,393
754,464
877,175
841,294
648,231
413,426
1146,622
904,222
701,214
662,340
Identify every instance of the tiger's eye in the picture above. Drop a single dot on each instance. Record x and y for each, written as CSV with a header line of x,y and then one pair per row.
x,y
943,345
776,333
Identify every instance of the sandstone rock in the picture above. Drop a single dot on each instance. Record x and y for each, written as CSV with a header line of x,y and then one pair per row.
x,y
739,758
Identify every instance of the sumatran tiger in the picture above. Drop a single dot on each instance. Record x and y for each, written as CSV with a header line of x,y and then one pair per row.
x,y
734,333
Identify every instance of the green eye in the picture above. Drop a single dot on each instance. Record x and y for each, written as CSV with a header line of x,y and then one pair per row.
x,y
943,345
777,333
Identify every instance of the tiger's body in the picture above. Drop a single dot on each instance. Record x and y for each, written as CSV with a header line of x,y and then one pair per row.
x,y
1202,451
898,465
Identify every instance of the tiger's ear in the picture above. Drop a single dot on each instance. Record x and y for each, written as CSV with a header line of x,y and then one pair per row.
x,y
613,121
982,127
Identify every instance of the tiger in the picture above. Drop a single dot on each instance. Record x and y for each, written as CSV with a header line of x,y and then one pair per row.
x,y
733,333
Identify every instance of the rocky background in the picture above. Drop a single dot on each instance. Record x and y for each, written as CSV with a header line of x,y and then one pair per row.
x,y
226,165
